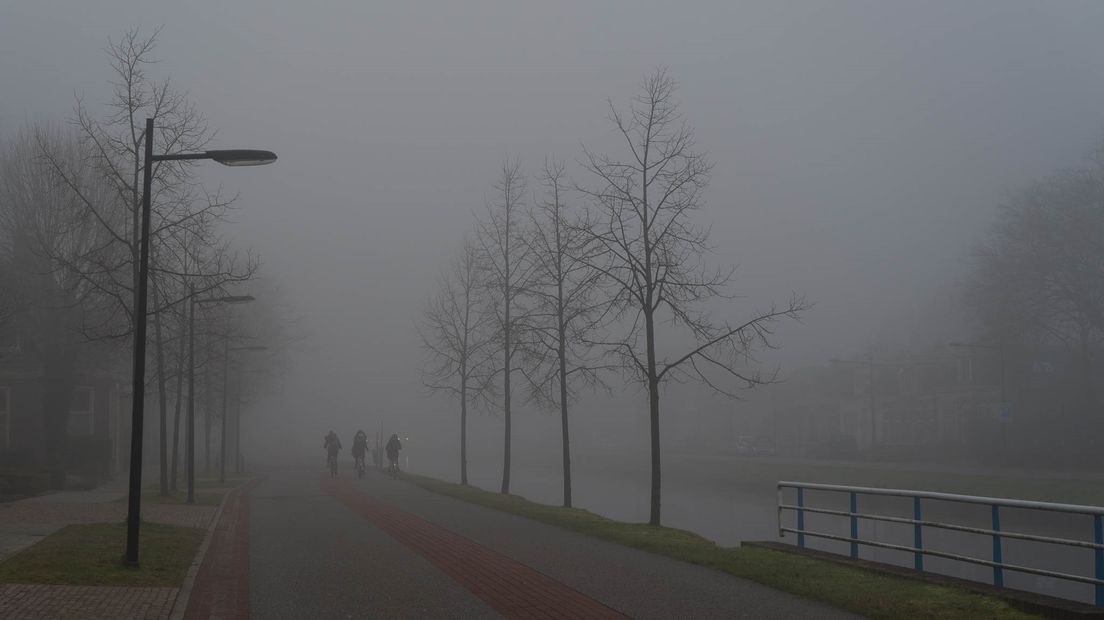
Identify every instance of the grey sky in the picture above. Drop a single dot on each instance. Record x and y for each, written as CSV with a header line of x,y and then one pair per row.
x,y
859,146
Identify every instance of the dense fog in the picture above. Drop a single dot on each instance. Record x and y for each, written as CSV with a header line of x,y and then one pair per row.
x,y
860,155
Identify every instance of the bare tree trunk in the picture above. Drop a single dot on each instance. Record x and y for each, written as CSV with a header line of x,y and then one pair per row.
x,y
463,428
506,398
163,407
563,422
653,418
179,398
208,406
507,353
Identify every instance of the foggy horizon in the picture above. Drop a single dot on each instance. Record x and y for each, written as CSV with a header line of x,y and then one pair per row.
x,y
860,150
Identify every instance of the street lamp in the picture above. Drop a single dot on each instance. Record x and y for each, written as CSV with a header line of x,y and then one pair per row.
x,y
227,299
225,409
239,463
228,158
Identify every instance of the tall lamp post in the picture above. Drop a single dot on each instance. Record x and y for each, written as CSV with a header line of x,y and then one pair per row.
x,y
227,299
239,459
225,409
228,158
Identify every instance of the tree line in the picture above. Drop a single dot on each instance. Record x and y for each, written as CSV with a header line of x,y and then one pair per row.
x,y
1037,294
559,290
70,210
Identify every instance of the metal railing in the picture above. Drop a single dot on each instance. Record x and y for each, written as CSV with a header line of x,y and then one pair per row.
x,y
918,524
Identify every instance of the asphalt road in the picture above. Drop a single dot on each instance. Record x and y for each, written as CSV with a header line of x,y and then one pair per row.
x,y
320,552
311,557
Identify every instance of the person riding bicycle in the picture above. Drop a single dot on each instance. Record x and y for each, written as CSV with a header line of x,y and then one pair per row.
x,y
393,447
332,445
360,447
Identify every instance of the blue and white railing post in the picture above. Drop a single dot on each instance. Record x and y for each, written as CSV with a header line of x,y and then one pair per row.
x,y
994,532
800,517
998,569
854,526
1098,538
917,536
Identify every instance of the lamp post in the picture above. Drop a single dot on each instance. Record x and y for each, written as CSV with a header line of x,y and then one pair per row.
x,y
239,463
1000,349
190,434
225,409
227,158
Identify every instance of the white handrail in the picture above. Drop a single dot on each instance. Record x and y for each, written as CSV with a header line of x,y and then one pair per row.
x,y
950,497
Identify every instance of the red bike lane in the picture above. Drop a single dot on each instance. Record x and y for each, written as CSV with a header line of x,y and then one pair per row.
x,y
509,587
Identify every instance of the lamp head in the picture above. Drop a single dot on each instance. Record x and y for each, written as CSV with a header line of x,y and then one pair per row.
x,y
242,157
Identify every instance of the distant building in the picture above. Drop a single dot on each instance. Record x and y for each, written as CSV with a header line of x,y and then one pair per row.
x,y
87,423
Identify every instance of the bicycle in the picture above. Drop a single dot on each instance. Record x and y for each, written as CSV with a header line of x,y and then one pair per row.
x,y
360,466
331,462
393,468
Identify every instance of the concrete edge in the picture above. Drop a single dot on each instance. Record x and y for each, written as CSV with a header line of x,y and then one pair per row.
x,y
184,594
1047,606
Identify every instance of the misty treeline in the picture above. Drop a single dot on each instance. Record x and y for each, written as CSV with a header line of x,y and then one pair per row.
x,y
569,282
1037,294
70,206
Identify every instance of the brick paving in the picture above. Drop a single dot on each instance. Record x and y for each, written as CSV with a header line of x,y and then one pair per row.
x,y
221,588
24,522
510,587
41,602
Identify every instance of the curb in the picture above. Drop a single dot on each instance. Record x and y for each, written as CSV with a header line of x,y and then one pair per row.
x,y
184,595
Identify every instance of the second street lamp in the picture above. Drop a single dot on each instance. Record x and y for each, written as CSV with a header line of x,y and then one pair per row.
x,y
225,409
229,158
190,431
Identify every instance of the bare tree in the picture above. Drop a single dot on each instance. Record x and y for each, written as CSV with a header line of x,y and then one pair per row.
x,y
567,311
504,259
654,260
184,216
1038,277
45,236
455,333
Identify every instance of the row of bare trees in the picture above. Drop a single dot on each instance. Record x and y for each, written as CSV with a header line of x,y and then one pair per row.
x,y
1037,292
572,286
70,206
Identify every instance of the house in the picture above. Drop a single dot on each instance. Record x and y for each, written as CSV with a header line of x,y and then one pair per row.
x,y
60,411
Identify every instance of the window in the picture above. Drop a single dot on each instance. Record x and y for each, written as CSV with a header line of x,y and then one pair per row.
x,y
81,418
5,418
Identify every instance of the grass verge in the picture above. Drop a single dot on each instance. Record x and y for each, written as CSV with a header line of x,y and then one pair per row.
x,y
91,555
870,594
202,498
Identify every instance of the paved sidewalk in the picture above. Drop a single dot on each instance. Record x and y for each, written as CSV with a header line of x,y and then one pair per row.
x,y
35,602
25,522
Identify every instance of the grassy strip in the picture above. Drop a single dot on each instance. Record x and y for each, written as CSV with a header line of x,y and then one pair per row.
x,y
870,594
202,498
91,555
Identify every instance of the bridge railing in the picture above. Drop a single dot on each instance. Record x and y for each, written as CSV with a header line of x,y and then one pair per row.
x,y
918,523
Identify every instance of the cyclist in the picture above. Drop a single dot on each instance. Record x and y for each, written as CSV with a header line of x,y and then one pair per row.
x,y
360,447
393,447
332,445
